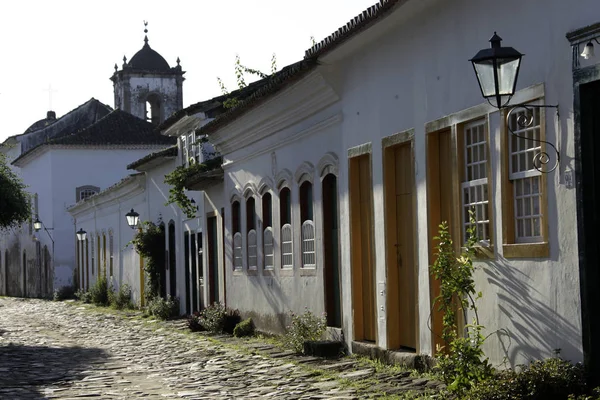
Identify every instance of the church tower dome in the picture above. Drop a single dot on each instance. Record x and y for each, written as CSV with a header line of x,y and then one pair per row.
x,y
147,86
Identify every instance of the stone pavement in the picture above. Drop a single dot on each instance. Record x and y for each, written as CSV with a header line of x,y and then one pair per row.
x,y
56,350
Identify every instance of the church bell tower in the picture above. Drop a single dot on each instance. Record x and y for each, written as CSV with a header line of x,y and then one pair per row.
x,y
147,86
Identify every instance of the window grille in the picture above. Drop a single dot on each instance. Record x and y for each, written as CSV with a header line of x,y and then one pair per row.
x,y
474,187
308,244
287,259
237,250
252,264
268,247
527,190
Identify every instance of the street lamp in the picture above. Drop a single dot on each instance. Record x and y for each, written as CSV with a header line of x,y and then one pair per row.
x,y
81,235
497,70
37,224
132,218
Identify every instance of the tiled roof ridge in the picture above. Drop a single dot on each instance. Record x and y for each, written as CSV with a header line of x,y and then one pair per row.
x,y
357,24
170,151
121,182
272,85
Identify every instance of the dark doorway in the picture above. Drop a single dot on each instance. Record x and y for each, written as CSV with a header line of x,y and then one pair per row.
x,y
172,261
24,274
588,215
186,279
162,271
200,268
213,260
331,252
194,281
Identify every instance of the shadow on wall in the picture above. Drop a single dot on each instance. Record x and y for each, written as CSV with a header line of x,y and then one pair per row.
x,y
270,289
28,369
537,330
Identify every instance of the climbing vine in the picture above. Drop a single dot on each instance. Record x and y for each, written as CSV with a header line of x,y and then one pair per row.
x,y
240,71
464,364
177,178
149,243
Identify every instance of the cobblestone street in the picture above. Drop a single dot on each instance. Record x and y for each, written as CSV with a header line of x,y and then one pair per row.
x,y
57,350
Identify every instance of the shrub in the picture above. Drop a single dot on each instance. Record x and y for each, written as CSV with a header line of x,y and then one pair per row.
x,y
551,379
212,318
163,308
122,298
99,291
84,296
64,293
304,327
232,318
244,328
194,322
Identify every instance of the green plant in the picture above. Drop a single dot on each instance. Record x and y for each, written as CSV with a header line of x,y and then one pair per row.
x,y
464,364
304,327
550,379
122,298
84,296
244,328
64,293
149,243
99,291
177,178
212,318
163,308
15,202
194,322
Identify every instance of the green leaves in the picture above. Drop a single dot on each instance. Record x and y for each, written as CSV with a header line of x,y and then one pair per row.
x,y
14,200
465,363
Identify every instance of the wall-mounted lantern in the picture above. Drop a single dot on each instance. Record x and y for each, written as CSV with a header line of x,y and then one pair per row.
x,y
497,71
132,219
81,235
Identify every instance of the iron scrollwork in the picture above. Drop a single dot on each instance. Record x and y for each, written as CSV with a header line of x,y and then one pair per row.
x,y
542,158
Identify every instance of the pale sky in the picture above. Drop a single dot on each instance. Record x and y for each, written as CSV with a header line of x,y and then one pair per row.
x,y
73,45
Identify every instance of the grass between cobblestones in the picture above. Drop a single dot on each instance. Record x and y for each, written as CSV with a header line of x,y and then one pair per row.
x,y
363,386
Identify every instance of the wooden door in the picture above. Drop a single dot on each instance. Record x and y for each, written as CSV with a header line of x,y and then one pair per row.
x,y
363,271
440,202
401,268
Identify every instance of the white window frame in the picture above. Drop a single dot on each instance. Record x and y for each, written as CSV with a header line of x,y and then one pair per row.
x,y
480,200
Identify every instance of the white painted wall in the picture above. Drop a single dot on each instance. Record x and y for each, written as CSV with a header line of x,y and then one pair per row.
x,y
416,70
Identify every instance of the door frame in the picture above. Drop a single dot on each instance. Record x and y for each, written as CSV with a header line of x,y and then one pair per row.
x,y
353,153
582,76
389,144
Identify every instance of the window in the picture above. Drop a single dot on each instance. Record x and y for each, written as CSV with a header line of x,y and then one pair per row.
x,y
237,235
308,226
153,109
285,212
190,150
110,250
474,185
251,233
83,192
267,217
524,197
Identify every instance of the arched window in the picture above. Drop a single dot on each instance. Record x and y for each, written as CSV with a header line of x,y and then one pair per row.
x,y
251,233
285,213
267,219
237,234
308,225
153,109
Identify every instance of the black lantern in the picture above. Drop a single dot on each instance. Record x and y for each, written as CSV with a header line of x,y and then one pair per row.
x,y
37,224
497,70
132,218
81,234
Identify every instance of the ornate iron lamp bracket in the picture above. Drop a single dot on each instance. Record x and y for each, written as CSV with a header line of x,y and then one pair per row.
x,y
542,160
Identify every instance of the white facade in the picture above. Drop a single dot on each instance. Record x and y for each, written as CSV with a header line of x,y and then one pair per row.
x,y
406,79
